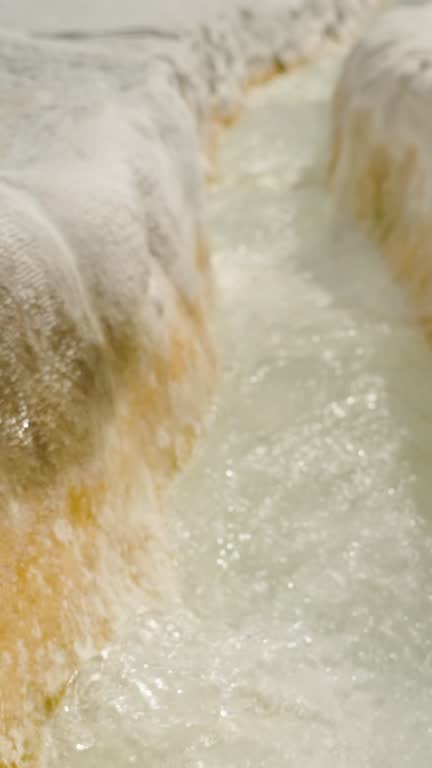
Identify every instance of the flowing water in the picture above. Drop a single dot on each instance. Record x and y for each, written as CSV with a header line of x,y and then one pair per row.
x,y
303,527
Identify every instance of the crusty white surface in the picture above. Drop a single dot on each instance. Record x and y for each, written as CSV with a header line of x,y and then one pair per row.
x,y
101,176
389,74
381,142
106,356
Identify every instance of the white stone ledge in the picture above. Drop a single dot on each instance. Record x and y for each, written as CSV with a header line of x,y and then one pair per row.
x,y
381,158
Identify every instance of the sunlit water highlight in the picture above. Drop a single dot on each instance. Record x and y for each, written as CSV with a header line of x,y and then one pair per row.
x,y
303,530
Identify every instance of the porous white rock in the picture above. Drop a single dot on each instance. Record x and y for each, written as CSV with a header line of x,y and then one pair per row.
x,y
105,304
381,143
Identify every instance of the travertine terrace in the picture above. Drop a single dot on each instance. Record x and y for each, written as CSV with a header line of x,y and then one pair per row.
x,y
379,162
106,354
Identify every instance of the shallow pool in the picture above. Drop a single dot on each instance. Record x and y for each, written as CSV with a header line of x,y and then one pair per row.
x,y
303,528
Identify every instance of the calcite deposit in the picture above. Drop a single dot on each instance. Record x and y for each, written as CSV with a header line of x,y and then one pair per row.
x,y
107,358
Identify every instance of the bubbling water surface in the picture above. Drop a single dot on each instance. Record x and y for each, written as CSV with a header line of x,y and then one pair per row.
x,y
303,527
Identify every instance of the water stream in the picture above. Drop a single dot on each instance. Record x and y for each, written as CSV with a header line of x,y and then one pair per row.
x,y
303,527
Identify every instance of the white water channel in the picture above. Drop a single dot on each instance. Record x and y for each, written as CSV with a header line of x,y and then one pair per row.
x,y
303,527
